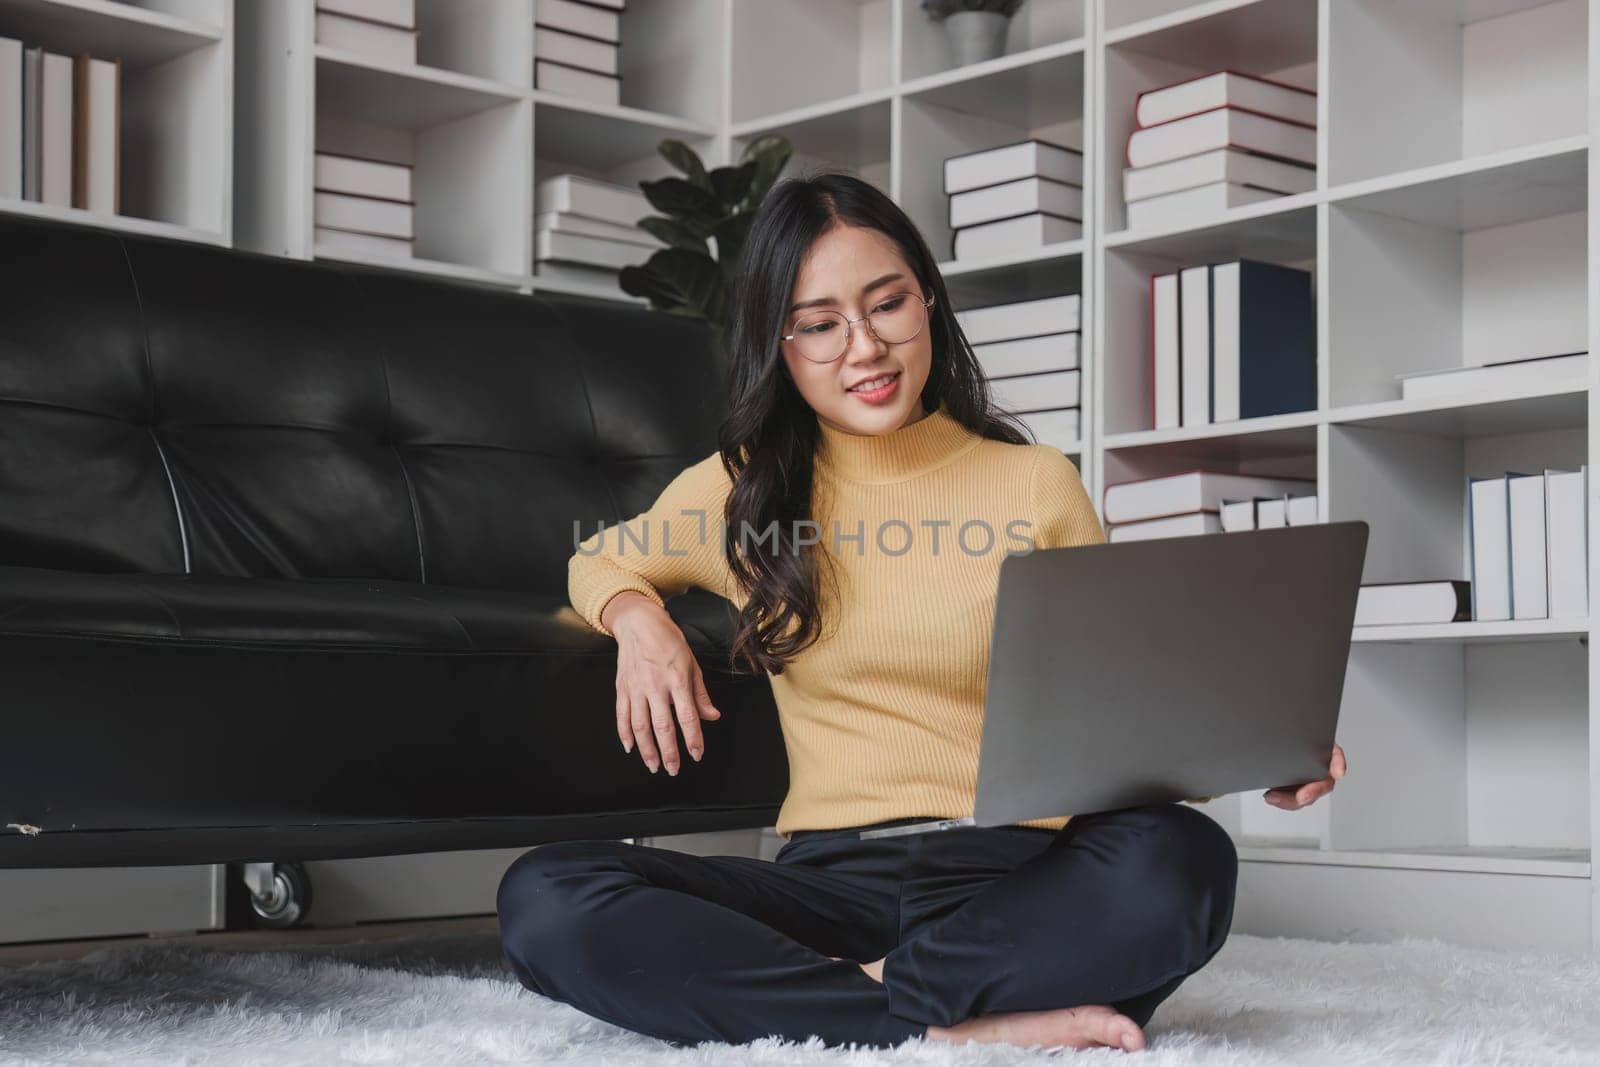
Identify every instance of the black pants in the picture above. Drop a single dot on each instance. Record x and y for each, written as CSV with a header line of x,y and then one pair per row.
x,y
1114,908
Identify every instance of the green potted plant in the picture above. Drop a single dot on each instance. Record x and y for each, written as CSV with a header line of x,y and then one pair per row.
x,y
976,29
704,218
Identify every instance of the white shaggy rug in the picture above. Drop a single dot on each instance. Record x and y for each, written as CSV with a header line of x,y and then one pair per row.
x,y
450,1000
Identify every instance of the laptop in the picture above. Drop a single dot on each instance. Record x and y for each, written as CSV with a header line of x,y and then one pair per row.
x,y
1150,671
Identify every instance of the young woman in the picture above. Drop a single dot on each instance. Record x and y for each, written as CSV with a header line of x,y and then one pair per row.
x,y
858,508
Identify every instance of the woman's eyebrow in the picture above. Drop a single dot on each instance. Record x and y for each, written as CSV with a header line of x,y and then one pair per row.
x,y
831,300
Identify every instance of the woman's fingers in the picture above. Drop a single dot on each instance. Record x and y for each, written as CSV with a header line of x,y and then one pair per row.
x,y
708,710
624,720
1337,766
688,719
661,724
643,732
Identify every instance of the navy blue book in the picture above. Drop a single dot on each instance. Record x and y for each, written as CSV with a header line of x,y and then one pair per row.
x,y
1263,340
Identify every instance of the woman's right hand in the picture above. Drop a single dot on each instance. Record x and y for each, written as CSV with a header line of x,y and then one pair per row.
x,y
658,682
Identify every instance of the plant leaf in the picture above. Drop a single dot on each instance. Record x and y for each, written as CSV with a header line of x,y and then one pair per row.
x,y
770,154
732,184
678,277
685,159
730,234
675,232
682,199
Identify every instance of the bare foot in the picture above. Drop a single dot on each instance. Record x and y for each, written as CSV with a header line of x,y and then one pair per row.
x,y
1087,1026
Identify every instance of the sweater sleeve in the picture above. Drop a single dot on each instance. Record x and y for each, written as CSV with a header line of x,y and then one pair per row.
x,y
675,544
1062,513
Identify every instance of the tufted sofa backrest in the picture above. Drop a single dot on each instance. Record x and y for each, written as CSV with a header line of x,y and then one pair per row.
x,y
170,407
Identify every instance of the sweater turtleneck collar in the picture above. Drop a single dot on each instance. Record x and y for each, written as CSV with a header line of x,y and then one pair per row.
x,y
894,456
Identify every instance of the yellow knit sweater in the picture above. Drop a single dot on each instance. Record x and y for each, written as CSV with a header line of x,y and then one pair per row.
x,y
882,716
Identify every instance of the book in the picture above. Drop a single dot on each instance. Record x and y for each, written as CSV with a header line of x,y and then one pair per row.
x,y
372,40
1413,603
1166,376
1058,427
1222,88
592,251
402,13
586,20
1263,340
575,276
1023,318
1028,355
1529,577
96,139
32,117
1271,514
332,241
1489,528
55,130
1222,127
1011,236
1195,490
1011,162
569,49
578,195
362,214
1218,165
1182,207
1194,343
336,173
1301,510
1571,368
1037,392
1021,197
1566,531
1193,524
580,84
11,118
564,222
1236,516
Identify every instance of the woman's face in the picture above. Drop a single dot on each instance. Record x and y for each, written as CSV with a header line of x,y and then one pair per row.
x,y
853,271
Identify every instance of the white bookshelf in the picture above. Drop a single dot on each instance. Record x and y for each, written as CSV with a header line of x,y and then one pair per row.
x,y
1449,225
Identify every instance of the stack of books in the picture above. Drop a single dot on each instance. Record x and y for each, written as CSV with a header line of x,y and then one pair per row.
x,y
1267,513
1183,505
1570,370
362,206
575,48
60,128
1529,553
586,230
1028,351
1006,200
1206,144
381,30
1229,341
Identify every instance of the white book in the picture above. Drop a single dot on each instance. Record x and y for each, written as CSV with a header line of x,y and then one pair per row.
x,y
11,118
1023,318
1037,392
361,177
574,276
1185,206
1198,490
330,241
608,201
579,84
1571,369
1236,516
373,40
402,13
562,222
1217,165
561,47
1413,603
585,19
362,214
1191,525
1529,577
1007,163
1008,237
1222,88
1225,341
1566,526
1061,428
1194,343
55,131
1489,523
1028,355
1301,510
593,251
1021,197
99,138
32,118
1165,352
1271,513
1222,127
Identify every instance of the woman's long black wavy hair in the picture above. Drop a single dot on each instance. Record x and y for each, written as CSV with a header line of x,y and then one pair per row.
x,y
770,434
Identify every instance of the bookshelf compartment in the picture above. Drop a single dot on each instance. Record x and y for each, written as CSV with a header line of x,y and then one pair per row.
x,y
855,139
608,147
1287,453
926,47
670,58
1053,274
1416,84
484,38
788,56
1274,39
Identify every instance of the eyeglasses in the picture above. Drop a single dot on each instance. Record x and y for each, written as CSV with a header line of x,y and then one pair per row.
x,y
824,336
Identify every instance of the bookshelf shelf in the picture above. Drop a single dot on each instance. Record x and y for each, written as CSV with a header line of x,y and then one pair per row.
x,y
405,97
618,117
1141,18
142,37
1290,428
1551,862
955,77
423,265
1479,415
125,223
1478,632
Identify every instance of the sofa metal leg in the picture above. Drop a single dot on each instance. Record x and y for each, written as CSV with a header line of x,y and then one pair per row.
x,y
280,892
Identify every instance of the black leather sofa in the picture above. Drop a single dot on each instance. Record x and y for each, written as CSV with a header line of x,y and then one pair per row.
x,y
283,555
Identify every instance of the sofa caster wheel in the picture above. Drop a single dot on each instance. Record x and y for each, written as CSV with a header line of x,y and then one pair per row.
x,y
280,893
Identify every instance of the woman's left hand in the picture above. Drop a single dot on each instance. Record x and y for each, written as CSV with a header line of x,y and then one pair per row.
x,y
1299,797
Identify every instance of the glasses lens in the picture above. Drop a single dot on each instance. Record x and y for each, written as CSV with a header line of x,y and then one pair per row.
x,y
898,318
820,336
